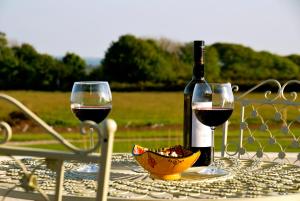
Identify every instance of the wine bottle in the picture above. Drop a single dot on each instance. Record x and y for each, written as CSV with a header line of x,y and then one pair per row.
x,y
197,136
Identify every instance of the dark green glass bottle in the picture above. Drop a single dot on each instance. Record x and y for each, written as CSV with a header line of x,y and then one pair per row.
x,y
196,136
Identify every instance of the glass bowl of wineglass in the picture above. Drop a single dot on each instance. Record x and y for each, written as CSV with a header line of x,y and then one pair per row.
x,y
214,114
91,100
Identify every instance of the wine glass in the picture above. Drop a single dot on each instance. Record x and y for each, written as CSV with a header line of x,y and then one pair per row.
x,y
214,114
91,100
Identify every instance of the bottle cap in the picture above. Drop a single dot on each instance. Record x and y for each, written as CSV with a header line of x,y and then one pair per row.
x,y
199,43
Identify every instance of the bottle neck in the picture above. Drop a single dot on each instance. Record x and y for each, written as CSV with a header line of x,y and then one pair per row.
x,y
198,71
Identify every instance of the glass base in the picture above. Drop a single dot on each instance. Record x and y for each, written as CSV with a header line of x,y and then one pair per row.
x,y
88,168
138,169
212,170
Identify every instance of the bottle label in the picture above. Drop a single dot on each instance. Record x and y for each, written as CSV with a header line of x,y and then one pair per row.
x,y
201,134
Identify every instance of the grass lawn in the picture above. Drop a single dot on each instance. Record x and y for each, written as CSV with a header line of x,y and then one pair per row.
x,y
129,109
125,139
152,119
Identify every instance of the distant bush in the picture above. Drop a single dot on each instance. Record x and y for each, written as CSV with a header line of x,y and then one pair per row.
x,y
132,63
22,67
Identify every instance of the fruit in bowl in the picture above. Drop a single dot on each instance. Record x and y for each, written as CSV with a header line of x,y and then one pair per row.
x,y
166,163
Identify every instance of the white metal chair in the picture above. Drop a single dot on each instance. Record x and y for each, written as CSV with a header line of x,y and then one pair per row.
x,y
55,159
271,121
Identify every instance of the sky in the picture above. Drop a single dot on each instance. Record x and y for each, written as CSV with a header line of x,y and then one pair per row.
x,y
88,28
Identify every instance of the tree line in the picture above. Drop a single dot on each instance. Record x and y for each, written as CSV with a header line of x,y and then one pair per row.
x,y
133,63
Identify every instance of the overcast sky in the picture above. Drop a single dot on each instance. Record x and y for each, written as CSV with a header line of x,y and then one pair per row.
x,y
88,27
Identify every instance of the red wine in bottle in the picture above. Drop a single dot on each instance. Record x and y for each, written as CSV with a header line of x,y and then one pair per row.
x,y
197,136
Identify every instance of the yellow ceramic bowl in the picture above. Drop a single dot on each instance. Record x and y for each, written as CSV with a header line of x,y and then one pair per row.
x,y
163,167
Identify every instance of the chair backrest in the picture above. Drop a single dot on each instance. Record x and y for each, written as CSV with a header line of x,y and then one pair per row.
x,y
269,123
55,159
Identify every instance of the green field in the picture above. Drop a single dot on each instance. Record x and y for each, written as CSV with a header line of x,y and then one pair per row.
x,y
147,118
133,109
129,109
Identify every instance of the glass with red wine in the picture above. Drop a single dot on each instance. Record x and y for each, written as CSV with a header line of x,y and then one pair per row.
x,y
215,114
91,100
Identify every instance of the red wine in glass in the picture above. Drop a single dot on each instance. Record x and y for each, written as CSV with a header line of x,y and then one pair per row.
x,y
214,116
93,113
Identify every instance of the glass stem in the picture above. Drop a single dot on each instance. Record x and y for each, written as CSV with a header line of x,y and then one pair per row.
x,y
212,157
91,138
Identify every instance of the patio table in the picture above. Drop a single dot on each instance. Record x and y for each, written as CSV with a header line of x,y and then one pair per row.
x,y
246,179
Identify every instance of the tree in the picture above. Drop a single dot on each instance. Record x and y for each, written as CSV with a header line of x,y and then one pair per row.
x,y
28,70
139,62
243,65
3,41
175,70
74,61
8,64
213,67
47,72
24,68
132,60
294,58
72,69
96,74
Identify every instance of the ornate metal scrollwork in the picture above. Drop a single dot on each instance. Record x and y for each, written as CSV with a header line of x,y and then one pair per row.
x,y
6,129
267,93
50,130
256,119
293,94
